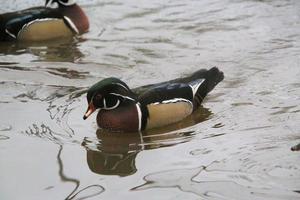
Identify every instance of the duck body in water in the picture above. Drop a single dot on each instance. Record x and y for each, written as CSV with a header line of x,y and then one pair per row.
x,y
44,23
150,106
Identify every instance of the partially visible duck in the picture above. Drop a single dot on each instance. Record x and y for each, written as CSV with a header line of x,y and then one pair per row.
x,y
44,23
150,106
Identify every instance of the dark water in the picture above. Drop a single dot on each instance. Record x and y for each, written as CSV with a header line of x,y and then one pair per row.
x,y
237,146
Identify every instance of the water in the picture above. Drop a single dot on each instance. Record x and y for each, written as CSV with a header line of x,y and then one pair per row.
x,y
237,146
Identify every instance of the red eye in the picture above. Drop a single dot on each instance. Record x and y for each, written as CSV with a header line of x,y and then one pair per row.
x,y
98,97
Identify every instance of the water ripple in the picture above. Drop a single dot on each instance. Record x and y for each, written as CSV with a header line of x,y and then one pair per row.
x,y
210,184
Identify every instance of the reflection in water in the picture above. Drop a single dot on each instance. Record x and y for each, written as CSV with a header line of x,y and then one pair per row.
x,y
4,128
96,189
65,50
115,153
4,137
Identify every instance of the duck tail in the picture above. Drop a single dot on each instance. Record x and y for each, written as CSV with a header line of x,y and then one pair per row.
x,y
211,78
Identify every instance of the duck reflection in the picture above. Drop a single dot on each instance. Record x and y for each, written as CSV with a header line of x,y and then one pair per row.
x,y
61,50
115,153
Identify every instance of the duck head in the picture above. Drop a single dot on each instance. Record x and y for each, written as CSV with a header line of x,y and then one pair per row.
x,y
60,2
108,94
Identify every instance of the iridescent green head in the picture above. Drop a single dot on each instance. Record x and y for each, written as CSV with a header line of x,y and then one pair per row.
x,y
107,94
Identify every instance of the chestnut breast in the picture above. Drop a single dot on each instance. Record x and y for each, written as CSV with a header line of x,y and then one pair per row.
x,y
123,118
78,17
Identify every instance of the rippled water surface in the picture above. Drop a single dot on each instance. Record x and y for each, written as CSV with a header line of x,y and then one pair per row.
x,y
237,146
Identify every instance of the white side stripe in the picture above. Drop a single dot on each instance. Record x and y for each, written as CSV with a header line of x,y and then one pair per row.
x,y
175,100
73,26
139,115
9,33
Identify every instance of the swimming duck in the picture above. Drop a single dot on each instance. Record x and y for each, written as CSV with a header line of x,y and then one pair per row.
x,y
150,106
44,23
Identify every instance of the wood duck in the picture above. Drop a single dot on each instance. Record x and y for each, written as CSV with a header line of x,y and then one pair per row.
x,y
44,23
150,106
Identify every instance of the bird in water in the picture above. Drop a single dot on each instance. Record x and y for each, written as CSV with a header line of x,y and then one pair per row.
x,y
44,23
151,106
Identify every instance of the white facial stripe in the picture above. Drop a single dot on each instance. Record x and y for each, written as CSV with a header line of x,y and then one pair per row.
x,y
72,25
68,3
9,33
125,97
138,108
175,100
35,21
196,85
110,108
113,107
119,84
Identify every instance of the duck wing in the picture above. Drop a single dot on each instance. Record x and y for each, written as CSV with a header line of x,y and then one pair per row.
x,y
193,88
166,92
